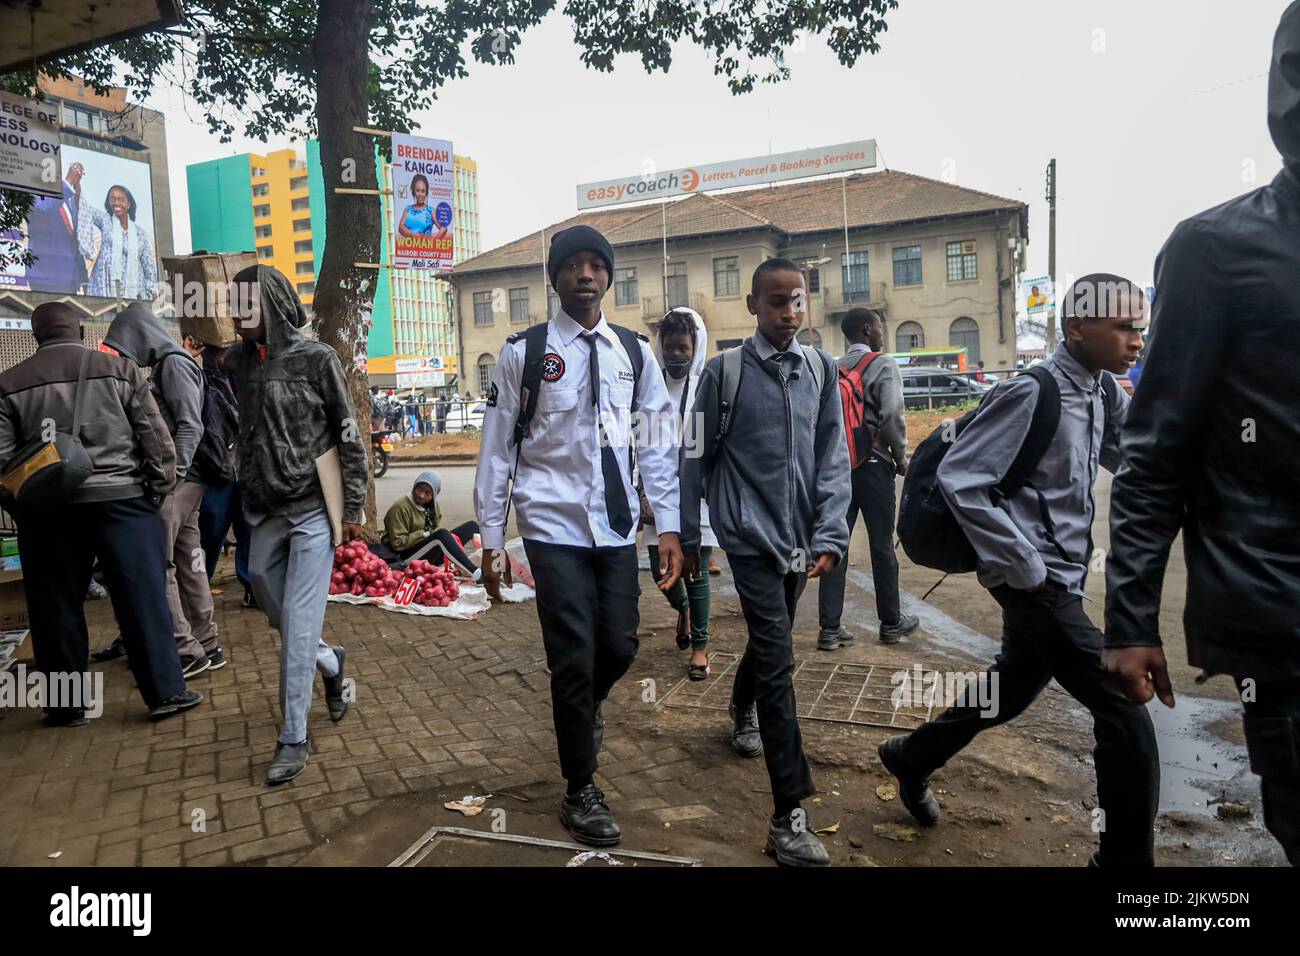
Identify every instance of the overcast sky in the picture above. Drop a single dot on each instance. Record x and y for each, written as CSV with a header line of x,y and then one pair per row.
x,y
1154,110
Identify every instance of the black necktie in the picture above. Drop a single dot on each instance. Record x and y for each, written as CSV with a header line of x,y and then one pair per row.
x,y
616,509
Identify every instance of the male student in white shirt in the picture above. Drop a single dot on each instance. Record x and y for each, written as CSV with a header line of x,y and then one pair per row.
x,y
575,504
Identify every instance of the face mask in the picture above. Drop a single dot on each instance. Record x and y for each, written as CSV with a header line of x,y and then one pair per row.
x,y
677,367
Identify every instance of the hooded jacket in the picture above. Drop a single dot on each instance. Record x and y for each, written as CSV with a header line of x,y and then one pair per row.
x,y
174,377
121,429
681,391
294,406
1212,437
406,523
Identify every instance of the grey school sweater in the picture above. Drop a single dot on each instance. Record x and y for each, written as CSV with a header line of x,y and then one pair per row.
x,y
780,484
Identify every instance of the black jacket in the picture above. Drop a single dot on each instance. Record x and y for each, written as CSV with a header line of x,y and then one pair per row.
x,y
1212,440
294,404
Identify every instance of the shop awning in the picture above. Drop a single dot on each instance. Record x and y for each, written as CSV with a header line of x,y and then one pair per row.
x,y
69,26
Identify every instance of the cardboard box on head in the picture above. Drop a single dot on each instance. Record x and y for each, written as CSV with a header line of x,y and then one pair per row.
x,y
203,301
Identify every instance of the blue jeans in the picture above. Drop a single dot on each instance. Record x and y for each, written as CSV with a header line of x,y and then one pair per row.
x,y
290,562
223,506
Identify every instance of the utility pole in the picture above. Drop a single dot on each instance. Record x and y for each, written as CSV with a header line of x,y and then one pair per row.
x,y
1051,253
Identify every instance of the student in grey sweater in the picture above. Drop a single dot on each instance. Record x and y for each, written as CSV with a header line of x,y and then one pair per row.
x,y
778,490
1034,546
873,485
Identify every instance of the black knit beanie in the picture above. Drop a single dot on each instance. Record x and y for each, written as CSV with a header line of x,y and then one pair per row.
x,y
578,239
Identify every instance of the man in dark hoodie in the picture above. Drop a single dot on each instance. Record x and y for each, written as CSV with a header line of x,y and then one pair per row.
x,y
1210,447
177,385
113,515
778,492
294,407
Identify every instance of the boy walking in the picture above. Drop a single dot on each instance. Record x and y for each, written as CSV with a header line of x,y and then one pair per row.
x,y
872,484
294,407
558,423
1033,545
775,472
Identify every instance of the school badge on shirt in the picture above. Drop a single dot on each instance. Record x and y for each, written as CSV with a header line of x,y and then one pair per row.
x,y
552,367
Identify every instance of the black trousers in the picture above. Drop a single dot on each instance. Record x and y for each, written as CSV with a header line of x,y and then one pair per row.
x,y
1048,635
1273,741
587,604
765,675
58,547
873,498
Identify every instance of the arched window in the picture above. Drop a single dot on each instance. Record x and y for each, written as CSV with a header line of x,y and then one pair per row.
x,y
910,337
810,337
964,332
486,366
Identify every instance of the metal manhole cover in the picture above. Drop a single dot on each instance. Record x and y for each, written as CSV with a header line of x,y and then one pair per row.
x,y
836,692
459,846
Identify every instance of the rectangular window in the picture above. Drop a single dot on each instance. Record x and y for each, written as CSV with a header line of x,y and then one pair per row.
x,y
482,308
262,232
519,305
303,246
677,294
306,288
302,225
259,171
812,273
625,291
552,304
261,189
264,252
264,210
726,276
303,268
298,205
724,344
297,183
856,276
961,260
907,265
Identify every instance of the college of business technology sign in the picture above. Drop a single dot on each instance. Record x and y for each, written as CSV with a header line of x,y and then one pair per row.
x,y
737,172
29,146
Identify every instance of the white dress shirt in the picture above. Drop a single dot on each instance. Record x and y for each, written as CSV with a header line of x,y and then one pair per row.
x,y
559,489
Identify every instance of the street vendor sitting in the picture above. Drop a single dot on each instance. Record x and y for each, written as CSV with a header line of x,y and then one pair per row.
x,y
414,522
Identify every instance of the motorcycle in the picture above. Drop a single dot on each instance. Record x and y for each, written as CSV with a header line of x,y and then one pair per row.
x,y
381,447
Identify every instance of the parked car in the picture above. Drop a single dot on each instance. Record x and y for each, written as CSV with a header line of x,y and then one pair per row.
x,y
461,415
930,387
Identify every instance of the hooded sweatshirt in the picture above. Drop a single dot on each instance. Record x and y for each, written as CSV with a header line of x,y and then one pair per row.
x,y
681,391
175,378
407,523
121,430
294,406
1212,436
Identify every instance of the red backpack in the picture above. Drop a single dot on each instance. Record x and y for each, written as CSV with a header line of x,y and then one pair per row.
x,y
853,398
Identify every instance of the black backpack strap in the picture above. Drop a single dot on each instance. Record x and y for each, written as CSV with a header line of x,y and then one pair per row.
x,y
530,382
632,346
1042,429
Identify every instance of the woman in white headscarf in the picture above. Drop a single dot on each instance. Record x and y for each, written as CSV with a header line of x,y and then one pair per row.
x,y
681,347
124,265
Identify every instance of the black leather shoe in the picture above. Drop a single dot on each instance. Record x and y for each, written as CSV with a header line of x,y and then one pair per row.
x,y
598,729
334,698
795,846
110,653
893,633
745,737
589,819
914,791
64,718
289,761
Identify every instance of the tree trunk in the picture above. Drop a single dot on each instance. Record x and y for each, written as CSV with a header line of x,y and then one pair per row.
x,y
344,293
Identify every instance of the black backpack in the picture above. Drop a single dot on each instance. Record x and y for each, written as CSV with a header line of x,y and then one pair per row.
x,y
530,381
927,528
214,459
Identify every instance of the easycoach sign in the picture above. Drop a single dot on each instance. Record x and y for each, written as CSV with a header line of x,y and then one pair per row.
x,y
738,172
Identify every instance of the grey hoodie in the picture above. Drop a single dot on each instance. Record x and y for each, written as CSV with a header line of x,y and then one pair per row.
x,y
780,486
175,377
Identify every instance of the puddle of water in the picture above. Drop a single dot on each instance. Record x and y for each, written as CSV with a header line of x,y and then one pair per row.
x,y
1195,765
